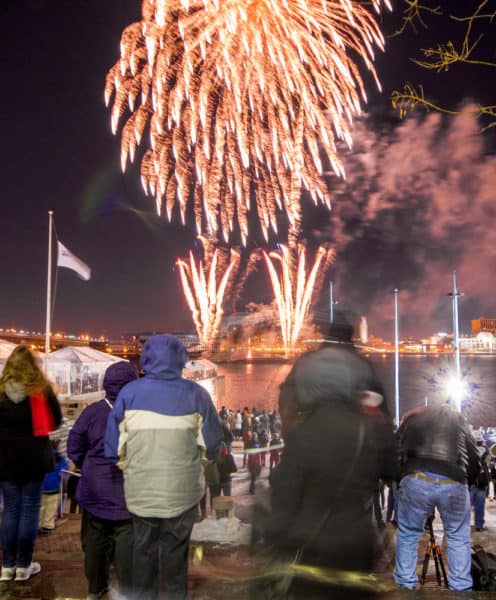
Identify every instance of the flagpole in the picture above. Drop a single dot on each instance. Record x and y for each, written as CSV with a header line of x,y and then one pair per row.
x,y
48,324
396,361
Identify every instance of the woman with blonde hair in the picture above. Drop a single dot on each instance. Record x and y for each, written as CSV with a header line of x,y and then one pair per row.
x,y
29,410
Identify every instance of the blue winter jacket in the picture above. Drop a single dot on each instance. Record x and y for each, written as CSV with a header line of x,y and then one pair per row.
x,y
161,427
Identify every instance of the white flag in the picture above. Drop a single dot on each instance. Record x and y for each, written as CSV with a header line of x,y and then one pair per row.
x,y
67,259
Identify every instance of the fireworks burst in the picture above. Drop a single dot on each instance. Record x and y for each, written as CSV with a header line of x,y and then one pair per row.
x,y
205,291
242,99
293,288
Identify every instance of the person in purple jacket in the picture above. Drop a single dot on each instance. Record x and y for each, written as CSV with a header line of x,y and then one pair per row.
x,y
106,525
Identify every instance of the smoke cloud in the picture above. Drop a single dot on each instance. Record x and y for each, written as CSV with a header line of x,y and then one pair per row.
x,y
418,203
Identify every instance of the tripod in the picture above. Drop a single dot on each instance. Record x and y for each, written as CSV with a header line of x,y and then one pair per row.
x,y
434,550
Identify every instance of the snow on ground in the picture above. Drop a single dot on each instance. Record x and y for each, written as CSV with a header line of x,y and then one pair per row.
x,y
222,531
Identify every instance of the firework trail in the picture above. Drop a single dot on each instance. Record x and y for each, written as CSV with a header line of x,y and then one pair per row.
x,y
251,266
293,287
205,291
242,99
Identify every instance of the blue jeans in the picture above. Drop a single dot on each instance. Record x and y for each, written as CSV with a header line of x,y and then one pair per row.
x,y
478,501
20,519
416,502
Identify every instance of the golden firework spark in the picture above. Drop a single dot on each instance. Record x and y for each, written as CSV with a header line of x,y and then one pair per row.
x,y
293,287
242,99
204,290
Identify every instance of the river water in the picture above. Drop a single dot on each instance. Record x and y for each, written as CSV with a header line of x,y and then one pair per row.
x,y
422,379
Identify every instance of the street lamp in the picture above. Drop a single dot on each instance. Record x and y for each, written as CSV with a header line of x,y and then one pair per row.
x,y
458,396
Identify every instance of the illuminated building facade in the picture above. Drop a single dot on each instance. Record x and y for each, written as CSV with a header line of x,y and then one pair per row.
x,y
483,324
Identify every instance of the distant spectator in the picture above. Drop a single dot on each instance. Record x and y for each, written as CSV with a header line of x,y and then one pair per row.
x,y
275,423
254,462
51,488
479,490
275,454
215,480
238,423
226,467
246,431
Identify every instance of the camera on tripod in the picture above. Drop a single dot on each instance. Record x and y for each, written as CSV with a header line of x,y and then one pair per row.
x,y
435,551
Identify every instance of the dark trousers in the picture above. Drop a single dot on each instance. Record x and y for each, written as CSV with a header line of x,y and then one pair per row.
x,y
253,478
160,558
224,487
104,543
392,503
377,508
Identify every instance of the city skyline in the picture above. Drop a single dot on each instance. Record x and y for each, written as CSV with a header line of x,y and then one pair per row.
x,y
477,325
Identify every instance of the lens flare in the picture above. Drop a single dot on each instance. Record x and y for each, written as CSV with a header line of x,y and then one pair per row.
x,y
205,284
293,287
243,100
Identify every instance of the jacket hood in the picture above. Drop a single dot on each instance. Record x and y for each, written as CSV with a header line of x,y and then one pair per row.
x,y
16,391
116,377
163,357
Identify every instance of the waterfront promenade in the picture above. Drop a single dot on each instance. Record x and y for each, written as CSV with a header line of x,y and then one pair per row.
x,y
62,575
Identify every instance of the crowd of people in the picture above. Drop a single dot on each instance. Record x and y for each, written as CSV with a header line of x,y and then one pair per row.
x,y
145,452
260,432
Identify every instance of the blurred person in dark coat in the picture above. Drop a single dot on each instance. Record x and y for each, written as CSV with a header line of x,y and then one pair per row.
x,y
106,524
335,453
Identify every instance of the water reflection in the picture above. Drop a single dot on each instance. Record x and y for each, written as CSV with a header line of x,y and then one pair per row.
x,y
257,384
253,384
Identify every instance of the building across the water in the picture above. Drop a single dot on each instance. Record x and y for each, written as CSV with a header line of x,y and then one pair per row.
x,y
483,324
133,342
484,341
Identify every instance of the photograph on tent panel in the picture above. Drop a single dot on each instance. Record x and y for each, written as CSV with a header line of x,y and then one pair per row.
x,y
5,351
77,370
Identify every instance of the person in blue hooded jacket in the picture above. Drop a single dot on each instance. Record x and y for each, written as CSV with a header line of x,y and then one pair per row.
x,y
161,428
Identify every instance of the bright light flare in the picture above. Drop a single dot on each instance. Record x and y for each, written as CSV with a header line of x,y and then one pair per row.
x,y
293,287
456,390
243,99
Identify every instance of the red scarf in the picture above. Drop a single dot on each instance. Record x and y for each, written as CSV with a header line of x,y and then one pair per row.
x,y
41,415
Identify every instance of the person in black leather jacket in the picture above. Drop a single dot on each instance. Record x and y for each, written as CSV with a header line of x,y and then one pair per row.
x,y
438,460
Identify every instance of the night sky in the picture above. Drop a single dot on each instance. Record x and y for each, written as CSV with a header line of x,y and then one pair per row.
x,y
58,153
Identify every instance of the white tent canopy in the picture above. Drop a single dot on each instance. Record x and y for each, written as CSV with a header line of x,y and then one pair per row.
x,y
77,370
82,354
6,349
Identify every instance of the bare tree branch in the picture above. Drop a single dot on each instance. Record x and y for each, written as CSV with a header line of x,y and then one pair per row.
x,y
445,55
